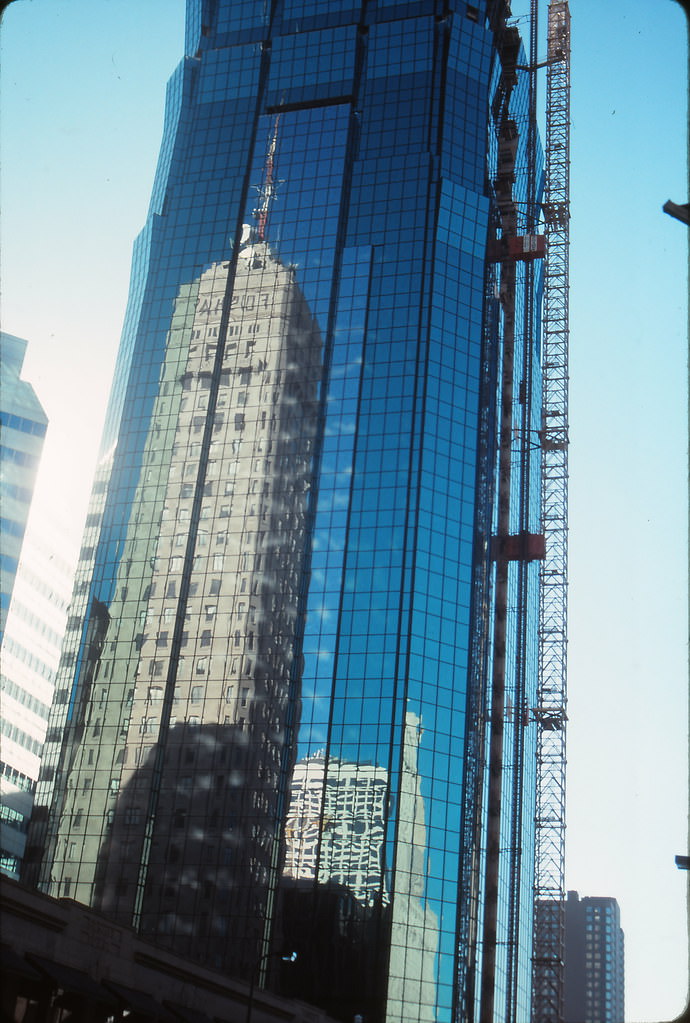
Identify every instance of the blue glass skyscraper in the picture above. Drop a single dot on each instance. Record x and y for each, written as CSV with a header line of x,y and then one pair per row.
x,y
294,706
24,425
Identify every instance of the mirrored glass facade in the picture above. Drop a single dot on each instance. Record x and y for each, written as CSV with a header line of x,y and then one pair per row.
x,y
276,685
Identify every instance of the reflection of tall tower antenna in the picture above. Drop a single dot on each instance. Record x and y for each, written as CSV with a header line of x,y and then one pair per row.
x,y
267,188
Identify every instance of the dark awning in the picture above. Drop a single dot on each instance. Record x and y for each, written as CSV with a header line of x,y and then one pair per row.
x,y
74,982
188,1015
138,1001
15,965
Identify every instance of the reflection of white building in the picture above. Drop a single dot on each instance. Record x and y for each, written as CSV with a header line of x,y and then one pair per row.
x,y
29,656
336,824
335,833
197,631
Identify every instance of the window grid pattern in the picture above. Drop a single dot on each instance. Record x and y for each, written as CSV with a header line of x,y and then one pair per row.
x,y
269,659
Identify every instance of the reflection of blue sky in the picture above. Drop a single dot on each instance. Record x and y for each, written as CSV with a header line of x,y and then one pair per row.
x,y
311,181
378,641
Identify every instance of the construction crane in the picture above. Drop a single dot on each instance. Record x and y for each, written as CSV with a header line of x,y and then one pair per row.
x,y
500,693
547,971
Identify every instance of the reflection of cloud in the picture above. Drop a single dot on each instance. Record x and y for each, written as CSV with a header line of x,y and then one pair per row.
x,y
324,541
334,500
318,735
342,426
322,612
316,709
343,370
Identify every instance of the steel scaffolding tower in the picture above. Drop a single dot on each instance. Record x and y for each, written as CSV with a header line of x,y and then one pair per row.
x,y
547,974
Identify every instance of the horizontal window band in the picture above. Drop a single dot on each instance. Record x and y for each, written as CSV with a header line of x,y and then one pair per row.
x,y
330,101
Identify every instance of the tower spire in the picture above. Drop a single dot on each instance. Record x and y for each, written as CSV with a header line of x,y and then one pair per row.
x,y
267,188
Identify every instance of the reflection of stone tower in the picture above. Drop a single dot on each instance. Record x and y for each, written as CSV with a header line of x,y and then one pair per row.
x,y
414,926
182,722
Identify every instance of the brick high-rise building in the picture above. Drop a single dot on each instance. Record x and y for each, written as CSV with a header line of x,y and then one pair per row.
x,y
594,960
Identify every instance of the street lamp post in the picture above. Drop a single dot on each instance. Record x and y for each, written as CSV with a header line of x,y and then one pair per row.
x,y
289,958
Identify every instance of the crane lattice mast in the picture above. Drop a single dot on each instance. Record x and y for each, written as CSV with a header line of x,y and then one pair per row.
x,y
551,705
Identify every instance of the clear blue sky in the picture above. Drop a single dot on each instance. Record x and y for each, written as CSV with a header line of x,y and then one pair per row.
x,y
83,87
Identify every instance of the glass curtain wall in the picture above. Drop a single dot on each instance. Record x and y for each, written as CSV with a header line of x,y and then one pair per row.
x,y
265,684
